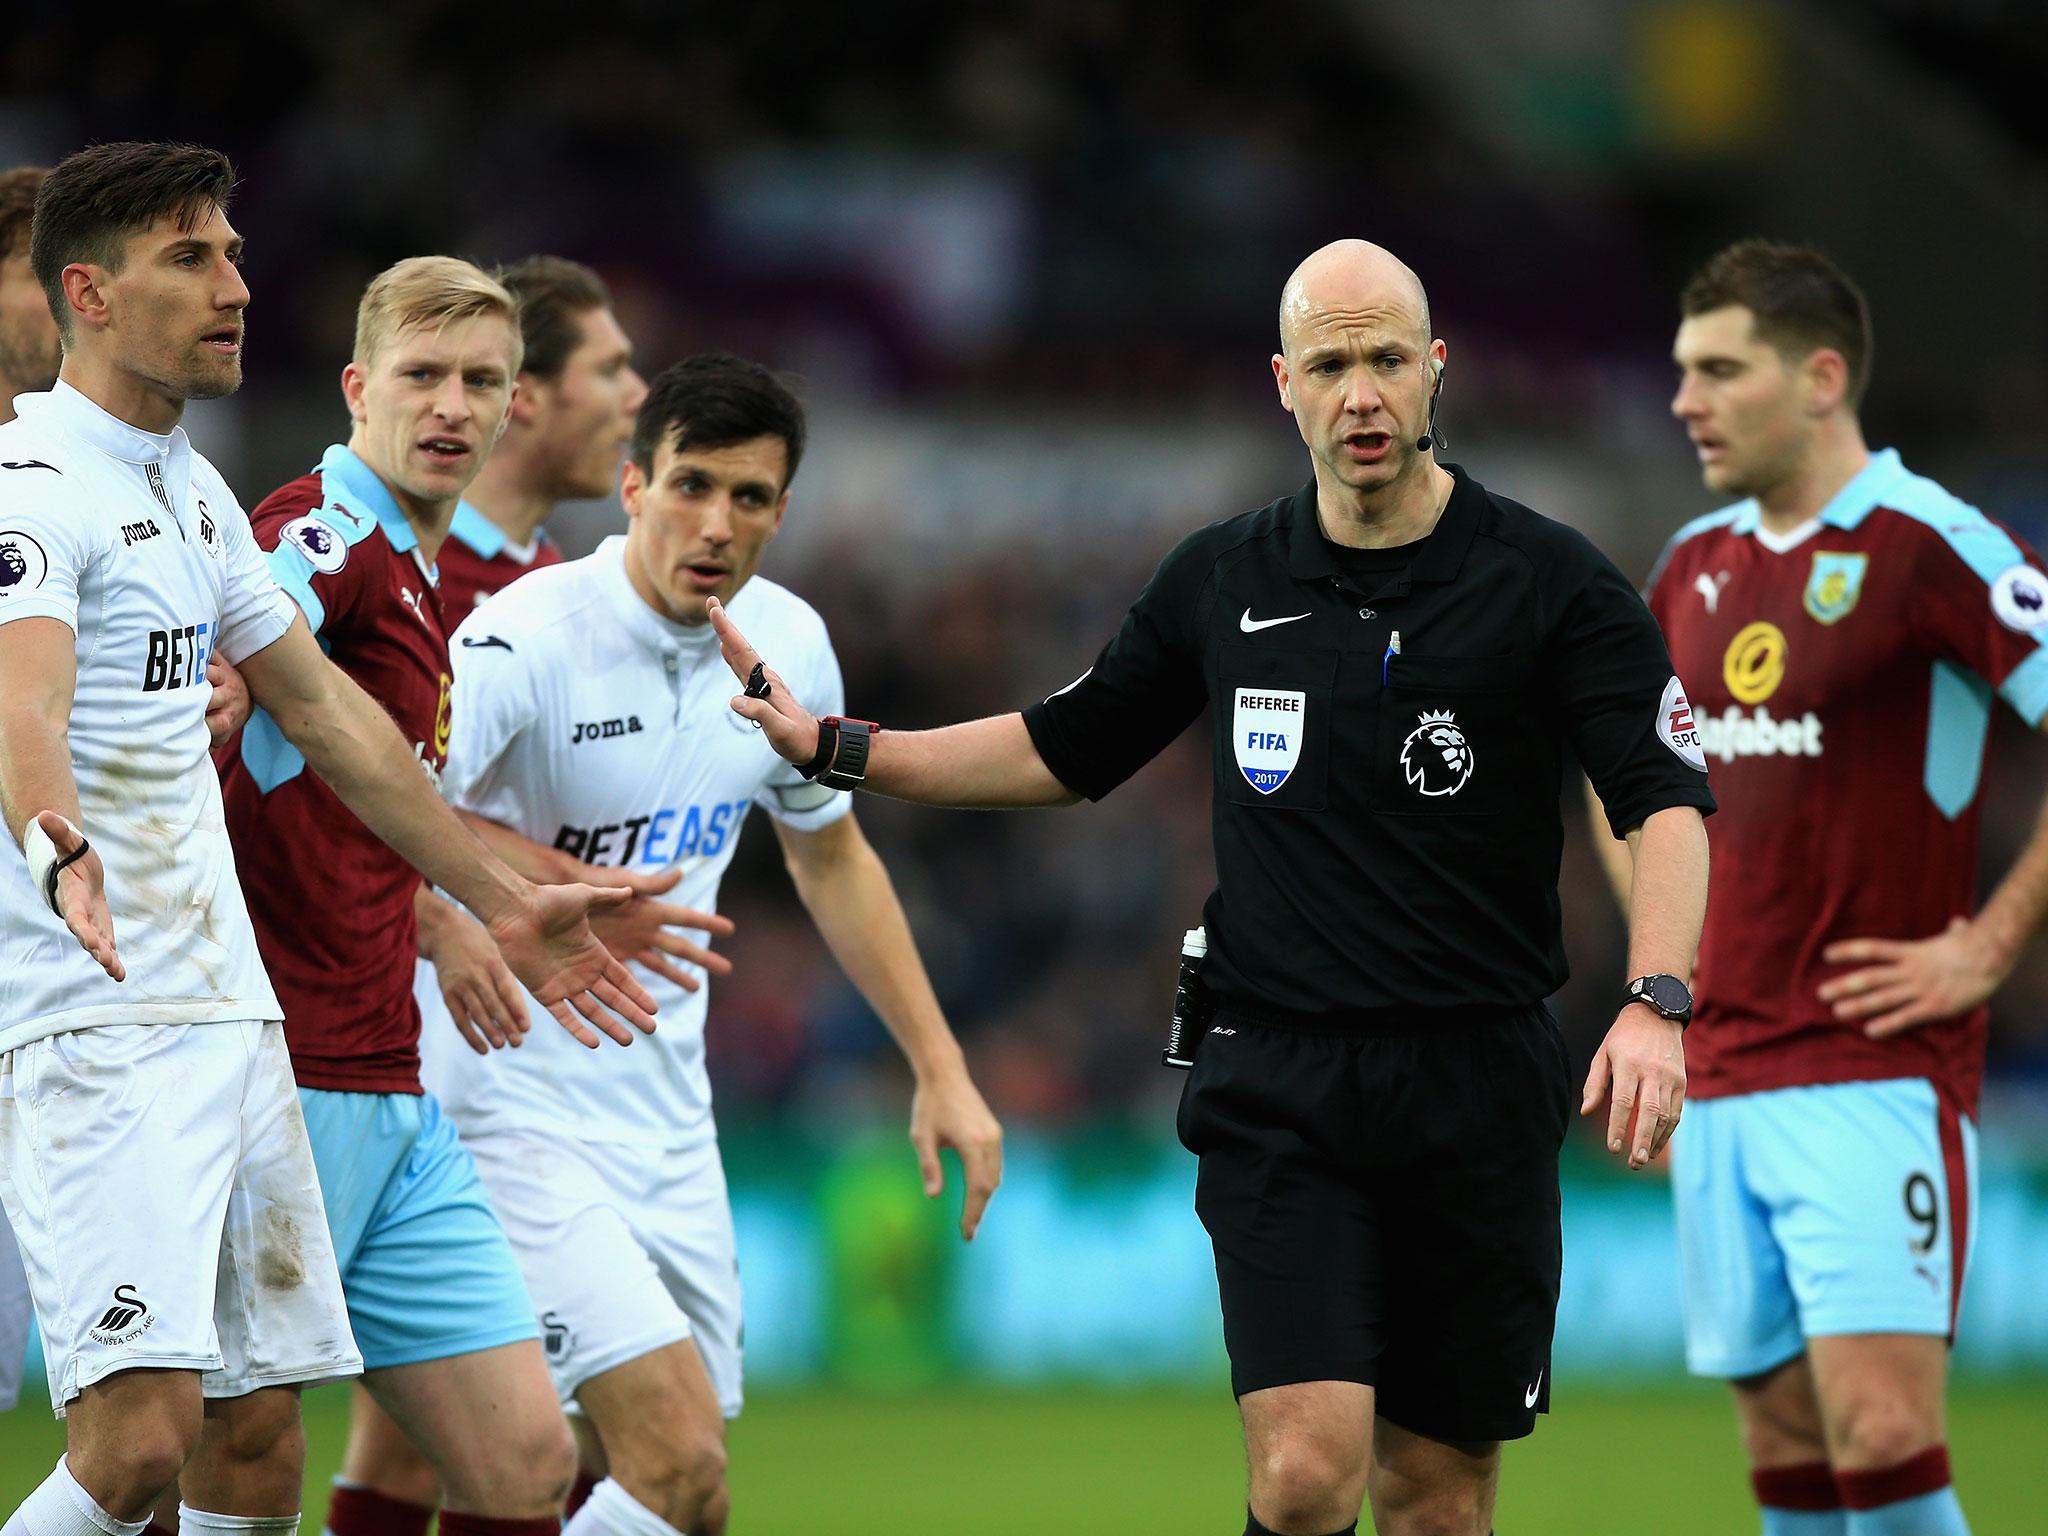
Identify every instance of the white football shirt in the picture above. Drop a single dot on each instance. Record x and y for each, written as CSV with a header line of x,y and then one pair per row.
x,y
586,721
135,542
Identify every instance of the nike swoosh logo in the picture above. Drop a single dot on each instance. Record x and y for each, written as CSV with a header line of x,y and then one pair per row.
x,y
31,464
1251,625
1529,1397
471,643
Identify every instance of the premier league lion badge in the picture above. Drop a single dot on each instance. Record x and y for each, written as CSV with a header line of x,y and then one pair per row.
x,y
22,563
1436,758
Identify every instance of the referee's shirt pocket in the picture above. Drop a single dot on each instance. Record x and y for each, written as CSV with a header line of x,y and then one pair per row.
x,y
1273,726
1453,740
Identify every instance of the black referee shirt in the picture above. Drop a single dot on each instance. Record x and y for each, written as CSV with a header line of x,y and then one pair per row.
x,y
1388,745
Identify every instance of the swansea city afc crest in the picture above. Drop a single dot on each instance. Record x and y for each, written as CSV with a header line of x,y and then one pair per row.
x,y
1834,584
1436,758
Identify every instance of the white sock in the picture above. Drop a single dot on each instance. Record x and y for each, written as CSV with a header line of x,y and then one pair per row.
x,y
611,1511
61,1508
190,1519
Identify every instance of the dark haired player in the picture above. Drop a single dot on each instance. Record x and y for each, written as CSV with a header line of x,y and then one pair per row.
x,y
28,363
626,1241
1843,628
152,1158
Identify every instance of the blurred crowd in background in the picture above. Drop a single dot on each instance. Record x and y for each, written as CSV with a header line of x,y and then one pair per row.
x,y
1026,262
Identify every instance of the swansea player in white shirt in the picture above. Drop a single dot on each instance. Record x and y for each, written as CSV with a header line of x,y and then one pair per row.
x,y
590,717
152,1159
28,363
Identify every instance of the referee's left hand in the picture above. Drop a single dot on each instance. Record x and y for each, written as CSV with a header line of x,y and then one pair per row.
x,y
1639,1073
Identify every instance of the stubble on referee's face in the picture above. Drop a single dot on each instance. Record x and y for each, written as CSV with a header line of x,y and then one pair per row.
x,y
1357,365
175,307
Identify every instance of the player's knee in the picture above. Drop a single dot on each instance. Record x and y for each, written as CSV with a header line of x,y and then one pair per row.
x,y
1880,1430
526,1468
141,1463
1300,1481
260,1429
682,1477
551,1460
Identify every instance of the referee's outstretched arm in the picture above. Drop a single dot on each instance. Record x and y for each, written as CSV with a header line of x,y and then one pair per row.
x,y
1639,1070
989,764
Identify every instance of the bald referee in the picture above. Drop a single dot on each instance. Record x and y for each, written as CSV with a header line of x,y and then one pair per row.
x,y
1396,659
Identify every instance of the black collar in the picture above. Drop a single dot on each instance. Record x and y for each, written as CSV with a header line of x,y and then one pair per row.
x,y
1311,557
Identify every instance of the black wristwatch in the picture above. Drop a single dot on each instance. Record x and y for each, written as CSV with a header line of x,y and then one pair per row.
x,y
842,757
1666,994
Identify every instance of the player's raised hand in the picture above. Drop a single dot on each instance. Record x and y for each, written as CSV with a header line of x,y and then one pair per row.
x,y
549,946
949,1112
1639,1075
1900,984
228,706
765,698
484,998
81,896
651,932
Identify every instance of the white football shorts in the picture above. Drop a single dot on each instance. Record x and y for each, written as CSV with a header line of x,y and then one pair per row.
x,y
162,1190
625,1250
15,1312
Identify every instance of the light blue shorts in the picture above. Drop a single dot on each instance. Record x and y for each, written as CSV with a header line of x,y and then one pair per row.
x,y
425,1268
1803,1212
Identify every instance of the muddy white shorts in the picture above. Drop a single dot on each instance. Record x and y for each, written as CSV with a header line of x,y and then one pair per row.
x,y
625,1250
162,1190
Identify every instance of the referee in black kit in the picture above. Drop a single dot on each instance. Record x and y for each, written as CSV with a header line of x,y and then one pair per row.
x,y
1396,658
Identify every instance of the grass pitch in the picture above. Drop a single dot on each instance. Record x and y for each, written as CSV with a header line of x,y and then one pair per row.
x,y
1001,1462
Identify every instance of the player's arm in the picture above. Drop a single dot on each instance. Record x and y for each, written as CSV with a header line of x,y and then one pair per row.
x,y
351,743
483,996
644,929
846,889
988,764
39,665
1899,984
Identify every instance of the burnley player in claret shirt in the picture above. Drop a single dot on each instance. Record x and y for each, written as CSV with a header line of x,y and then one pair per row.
x,y
1844,632
434,1296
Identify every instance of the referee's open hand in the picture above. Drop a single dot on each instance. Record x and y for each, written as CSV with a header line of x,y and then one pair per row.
x,y
1639,1074
791,729
82,895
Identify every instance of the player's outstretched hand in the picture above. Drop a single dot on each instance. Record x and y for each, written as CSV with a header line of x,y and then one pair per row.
x,y
650,932
82,894
949,1112
228,706
1900,984
1639,1074
484,998
791,729
549,946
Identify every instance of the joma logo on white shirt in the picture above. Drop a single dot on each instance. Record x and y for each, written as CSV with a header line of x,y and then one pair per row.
x,y
604,730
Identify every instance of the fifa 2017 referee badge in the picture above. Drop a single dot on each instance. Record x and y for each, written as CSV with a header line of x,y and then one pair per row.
x,y
1266,735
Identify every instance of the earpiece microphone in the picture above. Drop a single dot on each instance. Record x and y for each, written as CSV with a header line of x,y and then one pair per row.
x,y
1429,438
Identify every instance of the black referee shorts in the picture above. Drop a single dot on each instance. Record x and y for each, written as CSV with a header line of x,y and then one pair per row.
x,y
1384,1209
